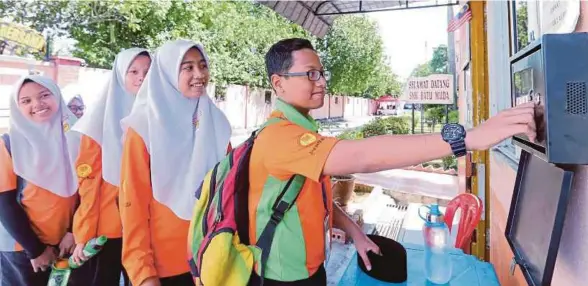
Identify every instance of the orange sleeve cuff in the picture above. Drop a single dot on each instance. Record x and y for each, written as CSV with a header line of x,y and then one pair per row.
x,y
142,274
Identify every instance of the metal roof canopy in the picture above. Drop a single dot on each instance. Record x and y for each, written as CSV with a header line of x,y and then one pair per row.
x,y
317,16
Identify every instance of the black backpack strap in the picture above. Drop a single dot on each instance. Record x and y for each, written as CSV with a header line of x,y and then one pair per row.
x,y
20,183
242,184
283,203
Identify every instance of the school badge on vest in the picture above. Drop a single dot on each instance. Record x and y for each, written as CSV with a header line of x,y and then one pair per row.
x,y
84,170
196,119
64,123
307,139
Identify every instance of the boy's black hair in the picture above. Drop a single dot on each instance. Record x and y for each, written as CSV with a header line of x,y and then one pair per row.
x,y
278,58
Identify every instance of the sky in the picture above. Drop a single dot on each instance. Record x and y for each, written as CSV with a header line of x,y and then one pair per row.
x,y
407,32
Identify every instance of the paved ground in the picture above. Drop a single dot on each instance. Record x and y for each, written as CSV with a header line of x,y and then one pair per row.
x,y
421,183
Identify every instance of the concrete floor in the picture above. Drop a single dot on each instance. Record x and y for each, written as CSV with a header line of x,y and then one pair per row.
x,y
413,182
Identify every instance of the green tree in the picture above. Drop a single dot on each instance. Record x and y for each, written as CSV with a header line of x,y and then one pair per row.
x,y
51,18
45,16
522,21
421,70
237,35
435,113
353,51
103,28
439,63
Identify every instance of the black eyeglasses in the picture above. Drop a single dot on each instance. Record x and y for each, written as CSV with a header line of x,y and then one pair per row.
x,y
76,108
313,75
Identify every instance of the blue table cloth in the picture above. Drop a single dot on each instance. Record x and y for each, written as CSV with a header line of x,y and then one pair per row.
x,y
467,271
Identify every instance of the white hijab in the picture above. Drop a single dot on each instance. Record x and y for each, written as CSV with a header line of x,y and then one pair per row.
x,y
180,153
71,92
102,123
40,151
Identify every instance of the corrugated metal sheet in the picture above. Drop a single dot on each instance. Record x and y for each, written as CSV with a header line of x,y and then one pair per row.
x,y
318,16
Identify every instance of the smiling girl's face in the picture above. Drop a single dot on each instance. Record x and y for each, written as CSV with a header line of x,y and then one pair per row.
x,y
36,102
194,74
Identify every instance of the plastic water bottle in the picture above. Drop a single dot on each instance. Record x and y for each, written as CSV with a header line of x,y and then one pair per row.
x,y
91,248
437,246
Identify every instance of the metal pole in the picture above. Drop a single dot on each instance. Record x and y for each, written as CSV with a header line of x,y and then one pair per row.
x,y
422,106
398,8
412,119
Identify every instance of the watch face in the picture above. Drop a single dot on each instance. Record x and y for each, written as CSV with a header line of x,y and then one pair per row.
x,y
453,132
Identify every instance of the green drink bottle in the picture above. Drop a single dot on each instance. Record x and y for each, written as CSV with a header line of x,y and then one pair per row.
x,y
91,249
60,272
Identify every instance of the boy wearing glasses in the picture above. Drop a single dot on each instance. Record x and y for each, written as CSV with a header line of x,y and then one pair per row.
x,y
293,146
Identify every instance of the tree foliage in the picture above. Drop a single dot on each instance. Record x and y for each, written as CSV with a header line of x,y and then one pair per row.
x,y
522,24
438,64
353,51
236,35
104,28
421,70
45,16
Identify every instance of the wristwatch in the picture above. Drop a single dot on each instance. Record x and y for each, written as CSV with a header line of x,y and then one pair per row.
x,y
455,134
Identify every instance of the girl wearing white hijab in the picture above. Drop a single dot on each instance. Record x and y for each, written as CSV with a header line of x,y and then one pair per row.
x,y
74,101
37,183
98,166
174,135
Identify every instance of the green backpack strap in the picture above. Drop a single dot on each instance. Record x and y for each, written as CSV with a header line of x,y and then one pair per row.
x,y
283,203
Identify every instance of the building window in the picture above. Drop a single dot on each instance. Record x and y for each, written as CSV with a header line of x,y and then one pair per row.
x,y
501,44
336,100
268,97
525,23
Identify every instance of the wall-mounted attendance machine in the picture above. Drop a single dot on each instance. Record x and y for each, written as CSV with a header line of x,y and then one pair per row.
x,y
554,73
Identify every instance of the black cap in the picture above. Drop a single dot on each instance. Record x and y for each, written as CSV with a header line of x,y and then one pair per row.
x,y
391,266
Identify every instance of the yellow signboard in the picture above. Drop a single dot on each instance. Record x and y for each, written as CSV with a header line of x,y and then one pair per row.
x,y
22,36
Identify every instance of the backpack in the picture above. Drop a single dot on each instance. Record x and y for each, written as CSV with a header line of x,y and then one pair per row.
x,y
20,183
218,238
